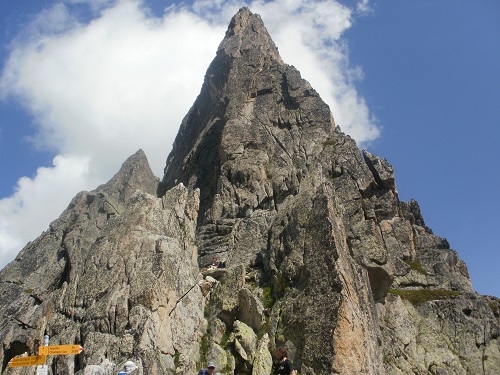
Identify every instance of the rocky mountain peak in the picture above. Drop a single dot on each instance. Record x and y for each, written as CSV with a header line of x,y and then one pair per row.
x,y
135,174
253,131
247,38
320,255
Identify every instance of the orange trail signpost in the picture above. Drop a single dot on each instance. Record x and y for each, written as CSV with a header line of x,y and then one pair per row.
x,y
32,360
59,349
43,352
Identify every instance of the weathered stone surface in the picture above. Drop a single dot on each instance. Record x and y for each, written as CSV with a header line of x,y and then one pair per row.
x,y
251,310
245,341
322,257
121,284
439,336
263,360
381,169
217,354
225,299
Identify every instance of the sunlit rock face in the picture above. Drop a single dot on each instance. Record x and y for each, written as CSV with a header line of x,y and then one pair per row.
x,y
320,255
116,273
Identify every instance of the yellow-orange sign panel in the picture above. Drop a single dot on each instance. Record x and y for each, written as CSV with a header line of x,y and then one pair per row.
x,y
59,349
32,360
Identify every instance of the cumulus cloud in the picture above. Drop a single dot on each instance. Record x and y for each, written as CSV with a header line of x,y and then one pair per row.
x,y
308,34
103,88
32,207
125,79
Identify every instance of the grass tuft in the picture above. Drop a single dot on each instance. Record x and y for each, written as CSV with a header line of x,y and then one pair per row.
x,y
494,306
267,297
418,297
416,265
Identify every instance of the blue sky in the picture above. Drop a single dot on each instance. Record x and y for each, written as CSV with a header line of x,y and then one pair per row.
x,y
84,84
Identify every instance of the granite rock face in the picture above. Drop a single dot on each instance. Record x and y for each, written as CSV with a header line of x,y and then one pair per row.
x,y
321,255
116,273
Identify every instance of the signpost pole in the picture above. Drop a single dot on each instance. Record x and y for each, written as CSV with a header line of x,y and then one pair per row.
x,y
42,369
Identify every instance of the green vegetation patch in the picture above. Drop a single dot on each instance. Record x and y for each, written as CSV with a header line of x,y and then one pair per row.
x,y
494,306
226,337
267,297
419,296
266,328
416,265
282,283
177,357
204,348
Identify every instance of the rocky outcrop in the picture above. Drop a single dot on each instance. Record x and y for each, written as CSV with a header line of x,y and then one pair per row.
x,y
321,255
116,273
288,196
451,336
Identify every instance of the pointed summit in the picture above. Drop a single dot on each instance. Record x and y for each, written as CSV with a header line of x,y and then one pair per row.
x,y
247,65
254,130
135,174
247,37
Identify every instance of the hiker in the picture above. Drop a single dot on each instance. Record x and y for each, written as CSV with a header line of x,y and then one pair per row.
x,y
215,263
210,370
284,366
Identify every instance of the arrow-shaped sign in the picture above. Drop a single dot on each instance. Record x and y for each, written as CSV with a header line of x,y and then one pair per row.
x,y
32,360
59,349
43,352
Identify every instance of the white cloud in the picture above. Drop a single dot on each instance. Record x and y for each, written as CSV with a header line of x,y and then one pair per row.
x,y
308,35
123,81
37,201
